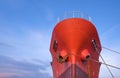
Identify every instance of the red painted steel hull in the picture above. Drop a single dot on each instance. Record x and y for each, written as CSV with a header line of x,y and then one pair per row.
x,y
72,49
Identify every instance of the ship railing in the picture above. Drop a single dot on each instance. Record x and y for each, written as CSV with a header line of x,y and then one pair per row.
x,y
74,14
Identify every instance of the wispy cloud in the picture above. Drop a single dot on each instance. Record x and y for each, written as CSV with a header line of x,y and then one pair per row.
x,y
7,75
5,45
110,36
27,44
10,68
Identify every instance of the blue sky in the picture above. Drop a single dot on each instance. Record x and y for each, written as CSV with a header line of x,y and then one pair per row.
x,y
26,27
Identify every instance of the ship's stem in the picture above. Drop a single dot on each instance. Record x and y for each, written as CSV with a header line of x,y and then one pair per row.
x,y
73,67
73,71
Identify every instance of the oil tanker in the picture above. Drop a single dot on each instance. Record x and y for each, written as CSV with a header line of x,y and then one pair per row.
x,y
74,47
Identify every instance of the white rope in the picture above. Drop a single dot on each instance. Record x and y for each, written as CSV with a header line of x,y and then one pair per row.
x,y
106,64
111,50
95,46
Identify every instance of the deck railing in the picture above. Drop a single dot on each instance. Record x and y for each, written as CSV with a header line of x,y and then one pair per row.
x,y
74,14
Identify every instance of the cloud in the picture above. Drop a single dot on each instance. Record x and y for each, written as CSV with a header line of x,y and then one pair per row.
x,y
7,75
110,36
25,42
11,68
6,46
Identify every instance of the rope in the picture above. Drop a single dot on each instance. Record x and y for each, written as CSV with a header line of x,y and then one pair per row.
x,y
95,46
111,50
110,65
106,64
88,70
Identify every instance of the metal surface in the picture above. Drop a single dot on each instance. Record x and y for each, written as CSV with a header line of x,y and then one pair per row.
x,y
74,39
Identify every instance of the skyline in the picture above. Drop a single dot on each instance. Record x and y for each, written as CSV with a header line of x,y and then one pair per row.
x,y
26,27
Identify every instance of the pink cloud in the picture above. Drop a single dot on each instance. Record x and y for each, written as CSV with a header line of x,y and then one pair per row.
x,y
6,75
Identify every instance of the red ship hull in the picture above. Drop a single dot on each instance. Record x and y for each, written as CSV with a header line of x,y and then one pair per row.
x,y
73,49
